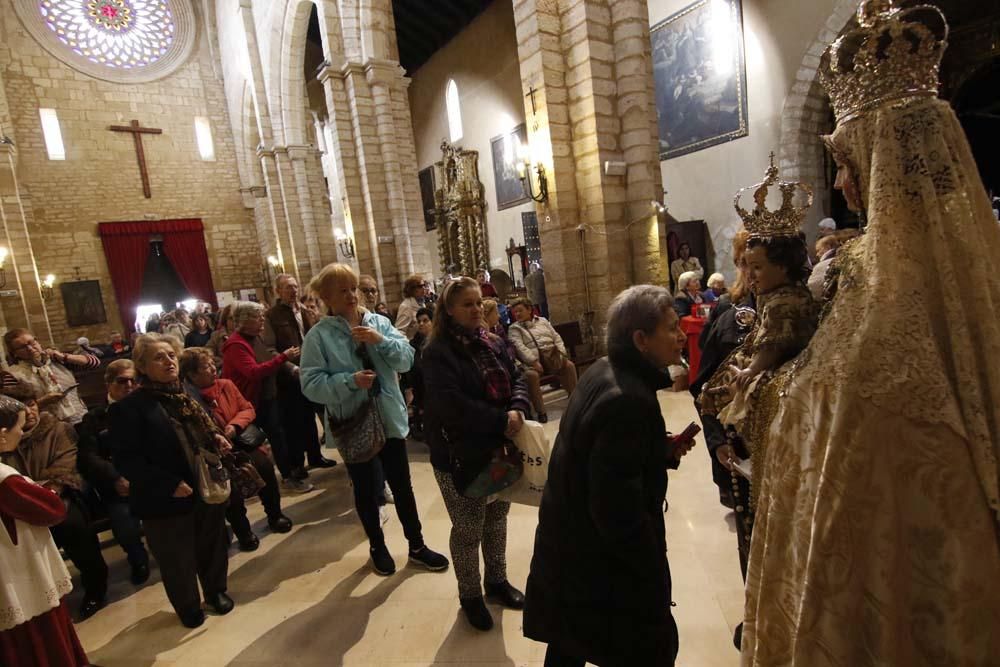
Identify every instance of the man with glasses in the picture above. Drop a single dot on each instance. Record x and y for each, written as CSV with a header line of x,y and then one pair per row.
x,y
96,464
285,325
47,372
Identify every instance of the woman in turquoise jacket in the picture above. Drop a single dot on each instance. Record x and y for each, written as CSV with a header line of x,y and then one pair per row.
x,y
347,356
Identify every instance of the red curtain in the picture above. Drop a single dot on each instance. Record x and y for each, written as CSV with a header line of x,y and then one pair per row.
x,y
186,251
126,246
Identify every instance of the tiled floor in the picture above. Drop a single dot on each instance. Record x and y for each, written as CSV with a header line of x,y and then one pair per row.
x,y
309,597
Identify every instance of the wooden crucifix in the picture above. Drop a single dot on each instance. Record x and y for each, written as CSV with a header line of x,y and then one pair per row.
x,y
137,133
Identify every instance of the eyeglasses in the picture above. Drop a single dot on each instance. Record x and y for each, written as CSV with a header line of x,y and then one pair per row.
x,y
124,381
369,290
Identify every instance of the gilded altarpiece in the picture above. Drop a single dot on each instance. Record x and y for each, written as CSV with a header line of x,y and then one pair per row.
x,y
460,211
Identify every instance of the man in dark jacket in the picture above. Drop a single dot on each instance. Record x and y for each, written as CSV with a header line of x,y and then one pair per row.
x,y
96,463
599,589
287,323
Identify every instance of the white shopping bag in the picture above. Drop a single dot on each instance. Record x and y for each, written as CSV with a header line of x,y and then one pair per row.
x,y
535,452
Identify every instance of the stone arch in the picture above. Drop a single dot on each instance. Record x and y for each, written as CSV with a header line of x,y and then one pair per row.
x,y
288,55
805,115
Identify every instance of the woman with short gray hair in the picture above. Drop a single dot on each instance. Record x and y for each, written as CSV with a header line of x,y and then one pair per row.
x,y
600,541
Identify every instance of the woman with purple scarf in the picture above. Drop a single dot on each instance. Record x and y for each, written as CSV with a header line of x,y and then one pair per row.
x,y
476,400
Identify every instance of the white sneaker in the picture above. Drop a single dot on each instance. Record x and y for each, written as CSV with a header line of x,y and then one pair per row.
x,y
296,486
389,498
383,514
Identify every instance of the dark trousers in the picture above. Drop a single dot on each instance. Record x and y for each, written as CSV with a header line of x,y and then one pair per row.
x,y
554,658
77,537
298,419
268,419
127,531
366,480
270,496
191,548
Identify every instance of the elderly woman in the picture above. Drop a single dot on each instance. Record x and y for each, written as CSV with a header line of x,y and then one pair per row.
x,y
240,364
201,331
234,413
539,346
476,401
48,372
186,534
532,378
413,300
221,333
716,288
348,357
688,294
599,588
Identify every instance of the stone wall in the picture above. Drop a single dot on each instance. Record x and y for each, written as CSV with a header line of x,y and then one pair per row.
x,y
99,180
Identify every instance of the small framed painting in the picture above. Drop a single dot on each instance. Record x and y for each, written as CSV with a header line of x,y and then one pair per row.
x,y
83,303
510,189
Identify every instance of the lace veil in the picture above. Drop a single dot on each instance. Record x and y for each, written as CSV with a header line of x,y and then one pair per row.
x,y
914,327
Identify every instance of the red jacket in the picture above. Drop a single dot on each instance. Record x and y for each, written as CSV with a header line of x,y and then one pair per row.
x,y
228,405
239,364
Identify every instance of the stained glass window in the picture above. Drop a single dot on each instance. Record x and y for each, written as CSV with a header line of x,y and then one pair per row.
x,y
123,34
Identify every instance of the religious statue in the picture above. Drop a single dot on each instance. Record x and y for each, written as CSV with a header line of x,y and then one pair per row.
x,y
460,211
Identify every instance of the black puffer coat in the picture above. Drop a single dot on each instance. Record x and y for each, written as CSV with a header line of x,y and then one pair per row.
x,y
599,586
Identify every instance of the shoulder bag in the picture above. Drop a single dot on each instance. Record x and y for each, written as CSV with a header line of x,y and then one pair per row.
x,y
551,359
251,437
244,478
360,437
213,478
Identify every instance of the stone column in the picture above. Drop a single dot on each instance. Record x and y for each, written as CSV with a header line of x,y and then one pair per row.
x,y
588,100
299,155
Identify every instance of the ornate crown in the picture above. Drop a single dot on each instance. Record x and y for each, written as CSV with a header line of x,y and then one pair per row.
x,y
894,54
787,220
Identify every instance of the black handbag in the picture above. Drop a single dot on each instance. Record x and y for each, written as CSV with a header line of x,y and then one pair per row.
x,y
251,437
243,475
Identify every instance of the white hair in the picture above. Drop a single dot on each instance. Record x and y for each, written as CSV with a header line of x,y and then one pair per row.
x,y
639,308
244,311
827,223
716,279
685,278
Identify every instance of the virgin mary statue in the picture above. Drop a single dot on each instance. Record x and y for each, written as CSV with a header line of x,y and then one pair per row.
x,y
877,538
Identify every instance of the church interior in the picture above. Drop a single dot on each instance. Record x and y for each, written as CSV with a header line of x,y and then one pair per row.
x,y
158,155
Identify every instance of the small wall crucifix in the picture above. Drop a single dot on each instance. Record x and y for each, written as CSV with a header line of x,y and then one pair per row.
x,y
140,155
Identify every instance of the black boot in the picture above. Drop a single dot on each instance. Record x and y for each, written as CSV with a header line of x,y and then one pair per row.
x,y
477,613
506,595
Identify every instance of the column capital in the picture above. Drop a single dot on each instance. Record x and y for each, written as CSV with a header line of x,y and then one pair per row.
x,y
387,72
301,151
330,68
280,150
264,151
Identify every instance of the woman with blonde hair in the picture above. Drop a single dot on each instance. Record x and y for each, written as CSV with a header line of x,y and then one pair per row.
x,y
351,357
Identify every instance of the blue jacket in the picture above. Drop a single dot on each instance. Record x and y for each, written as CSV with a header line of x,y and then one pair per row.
x,y
330,360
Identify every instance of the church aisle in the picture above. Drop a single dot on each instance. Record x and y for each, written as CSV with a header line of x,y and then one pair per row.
x,y
309,597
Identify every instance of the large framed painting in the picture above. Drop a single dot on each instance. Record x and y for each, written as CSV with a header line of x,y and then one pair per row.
x,y
426,178
699,67
510,190
83,302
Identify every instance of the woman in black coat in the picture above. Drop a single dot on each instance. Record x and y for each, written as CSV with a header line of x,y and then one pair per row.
x,y
186,535
599,589
476,399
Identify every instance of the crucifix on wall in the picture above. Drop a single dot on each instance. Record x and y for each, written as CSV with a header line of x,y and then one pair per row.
x,y
140,155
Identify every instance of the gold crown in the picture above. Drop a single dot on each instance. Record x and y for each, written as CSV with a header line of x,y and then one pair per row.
x,y
893,55
787,220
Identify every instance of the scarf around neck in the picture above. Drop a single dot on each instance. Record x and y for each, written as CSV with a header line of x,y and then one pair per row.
x,y
193,424
486,353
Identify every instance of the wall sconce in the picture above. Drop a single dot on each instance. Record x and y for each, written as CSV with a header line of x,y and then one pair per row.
x,y
524,167
345,243
272,267
657,207
47,286
3,260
